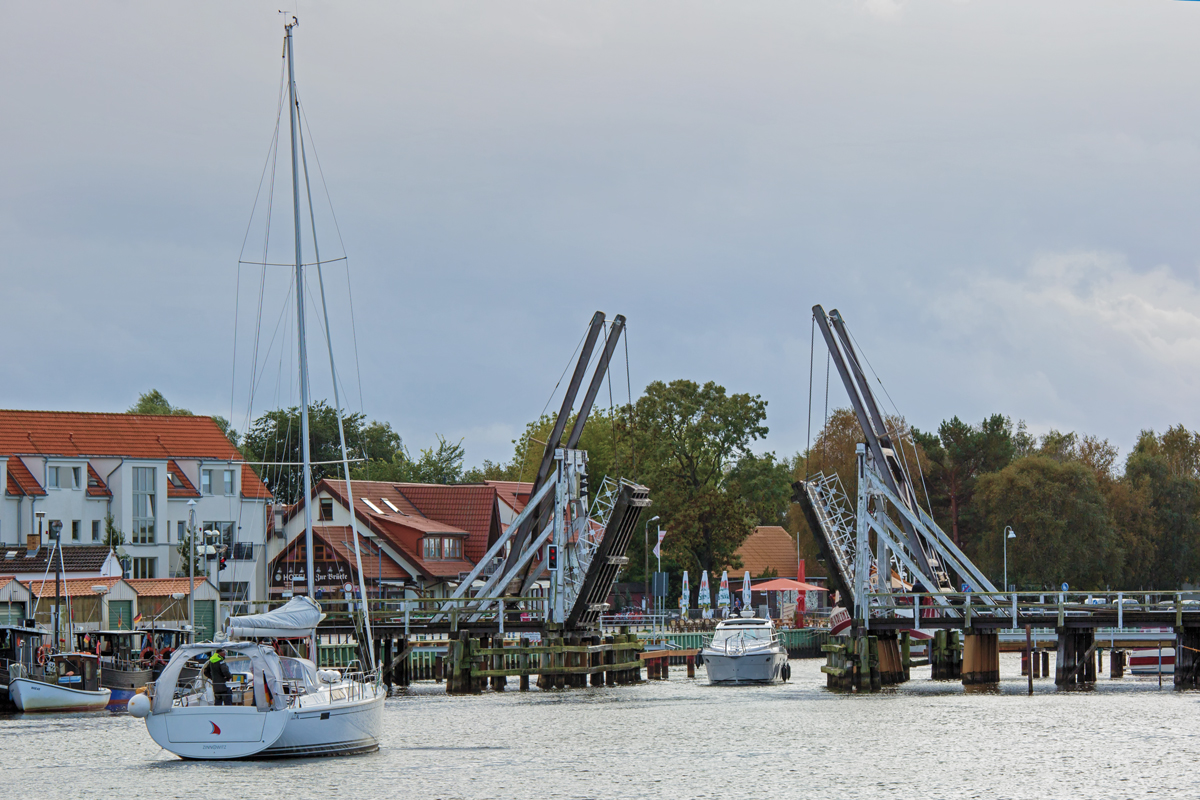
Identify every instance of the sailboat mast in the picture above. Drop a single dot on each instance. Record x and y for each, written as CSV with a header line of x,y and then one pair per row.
x,y
337,405
303,347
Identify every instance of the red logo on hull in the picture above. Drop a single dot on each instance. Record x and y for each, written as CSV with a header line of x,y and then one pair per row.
x,y
216,731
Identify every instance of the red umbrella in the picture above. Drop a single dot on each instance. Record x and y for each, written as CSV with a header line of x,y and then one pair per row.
x,y
787,585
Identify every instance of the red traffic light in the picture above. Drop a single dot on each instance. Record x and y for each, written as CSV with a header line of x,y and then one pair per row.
x,y
552,557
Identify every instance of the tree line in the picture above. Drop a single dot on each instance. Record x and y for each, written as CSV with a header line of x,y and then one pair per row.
x,y
1080,515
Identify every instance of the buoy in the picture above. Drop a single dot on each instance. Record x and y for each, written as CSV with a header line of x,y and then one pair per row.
x,y
139,706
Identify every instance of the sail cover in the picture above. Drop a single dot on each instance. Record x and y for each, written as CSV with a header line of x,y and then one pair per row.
x,y
298,617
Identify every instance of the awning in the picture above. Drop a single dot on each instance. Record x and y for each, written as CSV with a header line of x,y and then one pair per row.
x,y
786,585
297,617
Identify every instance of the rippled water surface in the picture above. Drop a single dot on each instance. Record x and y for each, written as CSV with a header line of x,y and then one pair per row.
x,y
678,739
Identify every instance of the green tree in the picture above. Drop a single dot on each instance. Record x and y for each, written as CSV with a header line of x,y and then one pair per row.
x,y
958,454
1165,471
113,537
186,551
1064,532
154,402
690,440
275,437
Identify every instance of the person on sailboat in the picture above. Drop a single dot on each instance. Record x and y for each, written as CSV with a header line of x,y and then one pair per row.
x,y
219,674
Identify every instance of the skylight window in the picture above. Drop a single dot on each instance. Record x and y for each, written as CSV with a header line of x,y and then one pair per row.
x,y
391,505
372,506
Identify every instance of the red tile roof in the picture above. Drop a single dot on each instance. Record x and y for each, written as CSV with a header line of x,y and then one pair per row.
x,y
185,489
769,547
70,587
162,587
87,434
471,508
75,558
96,487
515,493
21,480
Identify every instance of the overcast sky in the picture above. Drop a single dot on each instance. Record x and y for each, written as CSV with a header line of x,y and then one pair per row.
x,y
1000,197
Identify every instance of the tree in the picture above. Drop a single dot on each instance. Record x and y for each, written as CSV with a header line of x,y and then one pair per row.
x,y
1063,529
153,402
958,455
186,550
1163,473
275,437
113,537
689,440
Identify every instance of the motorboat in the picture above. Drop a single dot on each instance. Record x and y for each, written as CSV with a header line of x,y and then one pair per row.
x,y
1152,661
745,649
126,662
280,707
166,640
59,682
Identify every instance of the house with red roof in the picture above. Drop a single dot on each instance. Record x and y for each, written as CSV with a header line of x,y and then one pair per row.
x,y
150,473
415,538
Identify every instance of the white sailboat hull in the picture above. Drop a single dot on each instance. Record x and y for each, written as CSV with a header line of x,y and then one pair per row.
x,y
31,695
206,732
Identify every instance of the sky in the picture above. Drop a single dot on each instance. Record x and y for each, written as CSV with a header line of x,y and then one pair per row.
x,y
999,197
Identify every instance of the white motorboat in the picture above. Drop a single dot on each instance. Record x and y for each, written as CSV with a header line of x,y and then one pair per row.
x,y
66,682
745,650
280,707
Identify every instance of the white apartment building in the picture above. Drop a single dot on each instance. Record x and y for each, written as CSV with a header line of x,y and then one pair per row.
x,y
149,473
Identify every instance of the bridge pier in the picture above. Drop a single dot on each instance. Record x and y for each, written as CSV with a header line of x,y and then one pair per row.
x,y
1076,662
945,656
1187,659
980,658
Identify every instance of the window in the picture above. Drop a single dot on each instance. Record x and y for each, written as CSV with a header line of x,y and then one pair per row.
x,y
226,531
95,530
452,548
76,477
52,478
76,530
326,514
145,567
180,530
228,482
206,481
143,505
433,547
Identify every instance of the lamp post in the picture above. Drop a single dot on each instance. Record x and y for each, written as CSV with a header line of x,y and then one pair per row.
x,y
191,533
646,558
1009,533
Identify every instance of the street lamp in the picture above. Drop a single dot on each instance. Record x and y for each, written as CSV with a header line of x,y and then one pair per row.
x,y
1009,533
646,558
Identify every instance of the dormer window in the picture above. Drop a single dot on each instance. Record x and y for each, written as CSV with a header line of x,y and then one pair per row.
x,y
326,512
174,479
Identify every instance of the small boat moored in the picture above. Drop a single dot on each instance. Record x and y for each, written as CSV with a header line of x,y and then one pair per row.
x,y
64,682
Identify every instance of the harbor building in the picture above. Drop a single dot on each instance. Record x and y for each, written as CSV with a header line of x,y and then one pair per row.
x,y
415,539
138,475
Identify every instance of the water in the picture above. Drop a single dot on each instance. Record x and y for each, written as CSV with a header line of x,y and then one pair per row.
x,y
679,739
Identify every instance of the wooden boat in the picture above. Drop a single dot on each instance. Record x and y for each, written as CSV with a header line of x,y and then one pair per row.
x,y
126,662
64,682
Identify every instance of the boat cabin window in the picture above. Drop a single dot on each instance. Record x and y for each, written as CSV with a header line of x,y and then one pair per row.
x,y
294,670
758,633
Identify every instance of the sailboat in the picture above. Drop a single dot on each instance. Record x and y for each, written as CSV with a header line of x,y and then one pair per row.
x,y
279,707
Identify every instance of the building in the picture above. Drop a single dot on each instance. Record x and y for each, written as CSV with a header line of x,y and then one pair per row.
x,y
33,561
768,552
16,601
163,602
416,539
147,473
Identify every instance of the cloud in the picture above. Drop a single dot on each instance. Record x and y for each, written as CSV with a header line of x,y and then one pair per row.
x,y
884,9
1082,336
